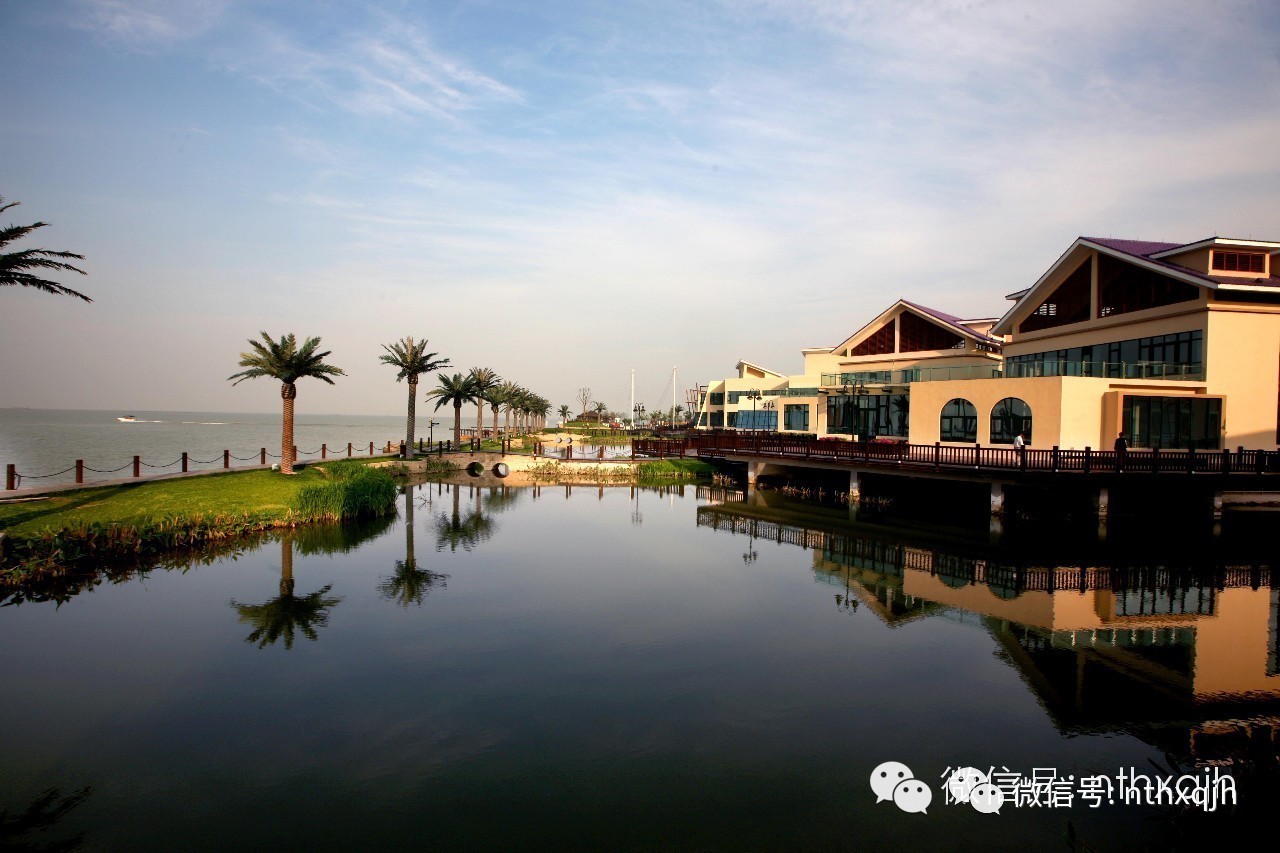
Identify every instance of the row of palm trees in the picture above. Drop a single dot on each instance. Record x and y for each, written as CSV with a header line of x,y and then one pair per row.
x,y
286,361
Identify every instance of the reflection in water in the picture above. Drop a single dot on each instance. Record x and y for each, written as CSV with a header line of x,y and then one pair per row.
x,y
287,614
410,583
1183,653
455,531
27,830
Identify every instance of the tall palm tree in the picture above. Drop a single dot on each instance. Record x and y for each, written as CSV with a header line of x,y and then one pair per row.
x,y
565,411
495,402
600,409
542,408
508,391
483,381
411,358
15,266
285,362
455,389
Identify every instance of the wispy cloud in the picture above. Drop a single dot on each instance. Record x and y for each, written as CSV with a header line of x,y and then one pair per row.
x,y
148,24
394,72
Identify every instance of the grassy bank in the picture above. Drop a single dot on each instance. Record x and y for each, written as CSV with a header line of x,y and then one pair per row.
x,y
53,533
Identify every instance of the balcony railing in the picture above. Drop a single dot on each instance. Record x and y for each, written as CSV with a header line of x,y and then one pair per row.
x,y
1014,370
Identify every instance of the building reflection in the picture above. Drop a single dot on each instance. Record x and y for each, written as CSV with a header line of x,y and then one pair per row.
x,y
1182,652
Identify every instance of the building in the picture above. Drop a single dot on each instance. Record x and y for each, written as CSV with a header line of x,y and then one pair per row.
x,y
1176,345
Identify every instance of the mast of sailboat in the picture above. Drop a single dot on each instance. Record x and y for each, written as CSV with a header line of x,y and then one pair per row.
x,y
633,398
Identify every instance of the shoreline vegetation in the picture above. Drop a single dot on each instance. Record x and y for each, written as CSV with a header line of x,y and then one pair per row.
x,y
54,535
44,539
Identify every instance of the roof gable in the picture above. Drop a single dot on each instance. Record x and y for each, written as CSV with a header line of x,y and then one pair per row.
x,y
948,322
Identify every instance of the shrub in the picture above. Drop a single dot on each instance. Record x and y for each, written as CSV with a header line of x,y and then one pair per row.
x,y
352,491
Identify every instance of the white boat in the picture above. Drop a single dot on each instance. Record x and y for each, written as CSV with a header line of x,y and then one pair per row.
x,y
127,419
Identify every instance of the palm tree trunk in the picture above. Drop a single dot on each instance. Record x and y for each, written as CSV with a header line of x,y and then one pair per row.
x,y
288,392
457,423
479,417
413,416
494,406
506,426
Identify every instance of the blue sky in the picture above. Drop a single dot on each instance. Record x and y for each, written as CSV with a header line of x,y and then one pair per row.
x,y
565,191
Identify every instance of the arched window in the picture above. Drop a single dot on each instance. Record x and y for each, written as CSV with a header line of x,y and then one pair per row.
x,y
959,422
1010,417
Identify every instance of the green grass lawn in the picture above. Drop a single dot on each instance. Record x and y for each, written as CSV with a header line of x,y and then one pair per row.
x,y
256,493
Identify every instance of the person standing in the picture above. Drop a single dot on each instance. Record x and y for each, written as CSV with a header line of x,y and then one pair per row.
x,y
1020,447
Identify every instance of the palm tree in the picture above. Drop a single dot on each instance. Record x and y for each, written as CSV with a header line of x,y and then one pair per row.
x,y
411,358
600,409
483,381
283,361
679,412
280,617
455,389
508,391
541,408
565,411
14,266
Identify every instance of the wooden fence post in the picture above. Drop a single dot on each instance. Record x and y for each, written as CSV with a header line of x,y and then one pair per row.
x,y
137,466
184,461
324,451
80,470
10,477
262,456
371,448
1088,458
348,450
226,459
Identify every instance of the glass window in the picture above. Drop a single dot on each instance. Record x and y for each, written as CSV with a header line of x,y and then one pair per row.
x,y
1173,422
717,398
959,422
796,418
1010,417
761,419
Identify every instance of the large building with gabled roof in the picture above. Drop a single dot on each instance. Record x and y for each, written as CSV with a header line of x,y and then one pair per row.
x,y
1175,344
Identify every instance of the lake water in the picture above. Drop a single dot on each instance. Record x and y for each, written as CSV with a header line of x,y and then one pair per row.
x,y
631,669
42,442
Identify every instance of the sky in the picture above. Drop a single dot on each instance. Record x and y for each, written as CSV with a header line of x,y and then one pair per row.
x,y
569,191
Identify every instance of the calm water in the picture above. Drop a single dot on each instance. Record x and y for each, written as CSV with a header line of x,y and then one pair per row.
x,y
582,668
47,441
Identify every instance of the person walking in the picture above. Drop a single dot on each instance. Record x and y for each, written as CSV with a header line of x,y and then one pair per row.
x,y
1020,447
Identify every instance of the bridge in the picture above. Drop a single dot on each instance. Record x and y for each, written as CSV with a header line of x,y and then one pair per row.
x,y
1238,475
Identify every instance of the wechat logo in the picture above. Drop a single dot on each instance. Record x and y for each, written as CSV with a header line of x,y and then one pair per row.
x,y
893,780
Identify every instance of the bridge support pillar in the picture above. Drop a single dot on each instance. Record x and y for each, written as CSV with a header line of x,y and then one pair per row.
x,y
1104,511
997,498
753,471
855,495
1217,514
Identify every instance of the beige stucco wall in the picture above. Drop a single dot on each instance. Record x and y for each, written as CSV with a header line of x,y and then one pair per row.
x,y
1242,361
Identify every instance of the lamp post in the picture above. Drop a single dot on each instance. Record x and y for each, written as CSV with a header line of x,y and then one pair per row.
x,y
431,426
637,413
771,406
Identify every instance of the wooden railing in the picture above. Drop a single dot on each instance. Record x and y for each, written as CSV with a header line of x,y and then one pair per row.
x,y
964,456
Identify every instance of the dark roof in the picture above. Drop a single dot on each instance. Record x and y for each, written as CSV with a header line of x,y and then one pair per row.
x,y
1146,248
952,320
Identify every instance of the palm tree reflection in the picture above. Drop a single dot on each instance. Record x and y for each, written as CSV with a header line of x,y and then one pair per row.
x,y
410,584
454,531
286,615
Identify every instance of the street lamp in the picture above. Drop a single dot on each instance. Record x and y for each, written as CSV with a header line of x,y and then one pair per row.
x,y
637,412
753,395
430,427
770,406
